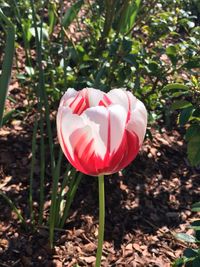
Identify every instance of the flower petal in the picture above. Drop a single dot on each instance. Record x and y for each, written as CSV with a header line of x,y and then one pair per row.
x,y
97,119
131,148
117,124
70,128
94,96
76,140
123,98
138,121
68,95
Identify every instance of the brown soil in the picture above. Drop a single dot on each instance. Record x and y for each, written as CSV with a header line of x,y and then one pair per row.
x,y
145,206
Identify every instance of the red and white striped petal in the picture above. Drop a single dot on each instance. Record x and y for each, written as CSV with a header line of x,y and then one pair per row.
x,y
68,96
117,125
108,126
67,123
123,98
97,118
72,129
138,121
131,149
93,96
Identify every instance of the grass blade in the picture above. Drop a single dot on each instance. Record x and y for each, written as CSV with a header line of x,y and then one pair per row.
x,y
32,170
70,198
41,92
7,62
42,169
52,215
128,15
65,183
13,207
71,13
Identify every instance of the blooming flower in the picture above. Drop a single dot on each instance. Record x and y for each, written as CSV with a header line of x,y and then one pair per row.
x,y
100,133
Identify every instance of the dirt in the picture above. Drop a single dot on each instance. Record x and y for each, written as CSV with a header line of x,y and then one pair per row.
x,y
145,205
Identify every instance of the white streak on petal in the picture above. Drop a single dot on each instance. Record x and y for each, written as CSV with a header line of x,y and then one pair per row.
x,y
117,125
123,98
67,124
97,119
138,121
94,96
69,94
132,99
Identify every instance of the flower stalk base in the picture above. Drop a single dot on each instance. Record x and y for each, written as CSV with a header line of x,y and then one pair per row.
x,y
101,220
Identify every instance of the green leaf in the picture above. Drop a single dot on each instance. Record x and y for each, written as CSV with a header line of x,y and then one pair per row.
x,y
21,76
186,238
127,45
42,34
8,116
171,50
183,261
175,86
71,13
29,70
196,262
153,66
3,4
193,150
52,16
180,104
128,16
190,253
192,64
192,131
131,59
196,207
195,225
179,262
7,62
179,93
196,113
185,115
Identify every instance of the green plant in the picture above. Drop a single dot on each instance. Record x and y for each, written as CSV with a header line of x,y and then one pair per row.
x,y
191,256
7,61
35,34
187,101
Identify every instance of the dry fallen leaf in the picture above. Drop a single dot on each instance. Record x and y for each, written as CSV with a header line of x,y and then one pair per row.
x,y
89,259
89,247
5,181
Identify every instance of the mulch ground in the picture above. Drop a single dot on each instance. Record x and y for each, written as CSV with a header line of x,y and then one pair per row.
x,y
145,206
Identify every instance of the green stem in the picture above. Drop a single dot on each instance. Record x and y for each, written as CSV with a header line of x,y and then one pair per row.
x,y
42,169
32,169
101,220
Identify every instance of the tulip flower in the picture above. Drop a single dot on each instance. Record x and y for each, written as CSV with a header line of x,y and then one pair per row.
x,y
100,134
